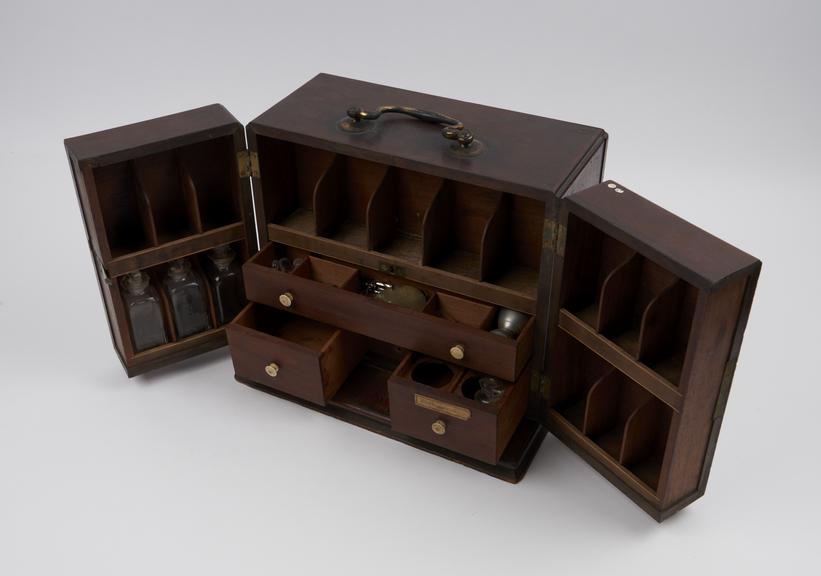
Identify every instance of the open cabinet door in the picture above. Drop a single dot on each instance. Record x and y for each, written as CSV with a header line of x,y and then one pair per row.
x,y
153,192
646,322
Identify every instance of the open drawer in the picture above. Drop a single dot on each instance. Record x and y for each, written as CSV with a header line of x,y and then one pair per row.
x,y
295,355
445,326
436,402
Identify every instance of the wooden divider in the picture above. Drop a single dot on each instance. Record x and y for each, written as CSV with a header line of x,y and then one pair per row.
x,y
617,293
658,323
381,213
401,216
495,247
159,180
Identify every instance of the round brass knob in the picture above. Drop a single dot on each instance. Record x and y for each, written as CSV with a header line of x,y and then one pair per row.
x,y
439,428
286,299
457,351
272,369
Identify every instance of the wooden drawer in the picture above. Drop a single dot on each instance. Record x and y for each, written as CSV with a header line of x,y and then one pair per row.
x,y
330,292
295,355
433,401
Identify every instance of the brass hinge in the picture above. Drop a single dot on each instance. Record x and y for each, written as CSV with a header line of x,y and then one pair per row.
x,y
540,382
554,237
248,162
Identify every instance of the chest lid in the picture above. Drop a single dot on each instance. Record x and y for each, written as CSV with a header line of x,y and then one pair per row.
x,y
515,152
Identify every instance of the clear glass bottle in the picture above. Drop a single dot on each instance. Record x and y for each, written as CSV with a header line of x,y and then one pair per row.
x,y
144,311
189,303
225,277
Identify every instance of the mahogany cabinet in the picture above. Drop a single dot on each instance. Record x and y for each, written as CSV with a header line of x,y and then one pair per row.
x,y
629,319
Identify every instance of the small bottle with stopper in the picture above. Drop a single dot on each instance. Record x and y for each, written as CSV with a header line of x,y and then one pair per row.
x,y
189,305
225,277
144,311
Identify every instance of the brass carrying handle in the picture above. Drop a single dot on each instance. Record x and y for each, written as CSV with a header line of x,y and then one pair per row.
x,y
452,129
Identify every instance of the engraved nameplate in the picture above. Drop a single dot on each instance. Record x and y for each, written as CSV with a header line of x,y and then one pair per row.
x,y
429,403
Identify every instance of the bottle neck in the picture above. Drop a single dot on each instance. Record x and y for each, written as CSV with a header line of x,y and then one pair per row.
x,y
222,256
179,270
136,283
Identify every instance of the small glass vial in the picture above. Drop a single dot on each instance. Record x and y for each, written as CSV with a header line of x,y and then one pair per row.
x,y
490,390
189,305
225,276
144,312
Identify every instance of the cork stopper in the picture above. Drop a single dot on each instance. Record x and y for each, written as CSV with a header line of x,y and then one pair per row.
x,y
136,283
222,256
179,269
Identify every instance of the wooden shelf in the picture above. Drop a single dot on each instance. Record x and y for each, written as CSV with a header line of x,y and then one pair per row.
x,y
177,249
566,431
647,378
435,277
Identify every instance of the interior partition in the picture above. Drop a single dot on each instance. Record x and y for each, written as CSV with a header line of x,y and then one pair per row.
x,y
469,231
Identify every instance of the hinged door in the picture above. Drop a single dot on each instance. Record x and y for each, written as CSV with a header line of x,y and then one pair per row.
x,y
170,188
646,320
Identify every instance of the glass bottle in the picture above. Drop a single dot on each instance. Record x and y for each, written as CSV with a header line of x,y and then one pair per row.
x,y
225,276
490,390
189,305
144,311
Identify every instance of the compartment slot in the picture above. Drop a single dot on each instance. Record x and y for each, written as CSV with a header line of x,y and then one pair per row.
x,y
665,330
328,272
467,385
610,404
290,174
270,252
428,371
576,370
209,170
397,213
161,184
616,296
512,244
126,216
454,228
156,276
192,204
590,257
625,330
302,331
467,312
363,180
659,316
326,198
645,441
365,392
343,196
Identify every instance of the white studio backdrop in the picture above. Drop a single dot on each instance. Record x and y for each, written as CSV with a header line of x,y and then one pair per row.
x,y
712,113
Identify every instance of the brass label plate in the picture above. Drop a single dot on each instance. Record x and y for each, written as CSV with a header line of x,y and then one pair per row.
x,y
435,405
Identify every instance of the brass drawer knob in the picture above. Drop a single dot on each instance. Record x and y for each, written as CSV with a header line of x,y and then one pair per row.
x,y
272,369
286,299
439,428
457,352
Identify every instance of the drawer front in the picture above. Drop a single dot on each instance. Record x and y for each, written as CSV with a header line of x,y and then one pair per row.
x,y
442,419
425,333
295,371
